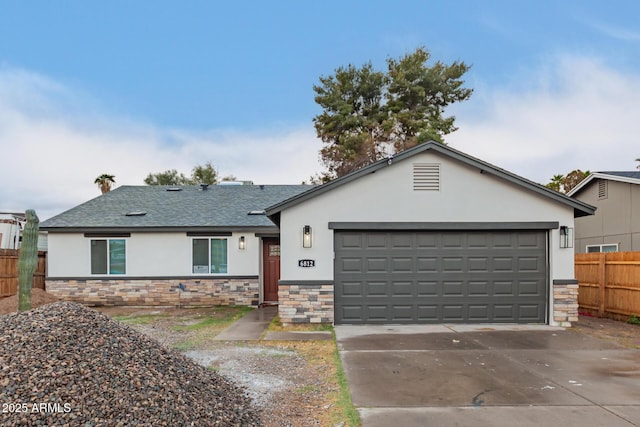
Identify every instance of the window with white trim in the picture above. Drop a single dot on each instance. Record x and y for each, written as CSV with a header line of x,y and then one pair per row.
x,y
209,256
609,247
108,256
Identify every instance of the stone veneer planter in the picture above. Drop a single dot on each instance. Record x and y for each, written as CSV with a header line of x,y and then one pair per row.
x,y
157,292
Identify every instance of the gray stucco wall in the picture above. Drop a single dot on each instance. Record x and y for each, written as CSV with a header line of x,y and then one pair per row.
x,y
617,219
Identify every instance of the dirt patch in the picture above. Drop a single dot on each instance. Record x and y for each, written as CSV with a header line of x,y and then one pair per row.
x,y
289,382
622,333
38,298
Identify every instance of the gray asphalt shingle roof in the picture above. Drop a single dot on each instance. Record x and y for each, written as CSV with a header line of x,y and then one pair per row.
x,y
219,206
624,174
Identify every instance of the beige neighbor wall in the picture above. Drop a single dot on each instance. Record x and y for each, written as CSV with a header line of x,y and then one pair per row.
x,y
617,218
465,195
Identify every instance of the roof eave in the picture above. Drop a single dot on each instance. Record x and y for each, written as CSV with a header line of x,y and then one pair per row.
x,y
601,175
168,229
580,208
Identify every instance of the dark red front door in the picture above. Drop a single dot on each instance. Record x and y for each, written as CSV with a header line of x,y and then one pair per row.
x,y
271,267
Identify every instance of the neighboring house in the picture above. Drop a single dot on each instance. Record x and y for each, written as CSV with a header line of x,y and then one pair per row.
x,y
11,225
615,227
159,245
431,235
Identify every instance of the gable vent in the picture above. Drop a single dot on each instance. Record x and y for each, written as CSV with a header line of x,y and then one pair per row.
x,y
426,176
602,189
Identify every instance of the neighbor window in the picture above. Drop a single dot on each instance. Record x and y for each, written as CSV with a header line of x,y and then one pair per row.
x,y
612,247
108,256
209,256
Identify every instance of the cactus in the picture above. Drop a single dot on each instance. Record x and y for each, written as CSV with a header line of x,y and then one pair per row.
x,y
27,260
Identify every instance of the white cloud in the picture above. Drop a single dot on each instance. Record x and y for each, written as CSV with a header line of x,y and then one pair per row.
x,y
51,152
572,113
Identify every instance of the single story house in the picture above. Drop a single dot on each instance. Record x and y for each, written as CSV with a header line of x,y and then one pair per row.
x,y
431,235
168,245
615,227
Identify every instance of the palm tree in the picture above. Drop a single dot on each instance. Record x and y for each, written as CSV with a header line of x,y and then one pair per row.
x,y
104,181
556,182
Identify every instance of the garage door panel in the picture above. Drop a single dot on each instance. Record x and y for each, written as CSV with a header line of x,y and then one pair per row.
x,y
426,265
351,264
479,312
478,288
379,313
375,241
376,289
350,240
427,313
453,312
402,264
351,289
529,311
503,264
504,312
351,313
529,240
478,264
431,277
426,289
453,240
479,241
402,288
427,241
452,288
402,240
529,287
402,313
377,265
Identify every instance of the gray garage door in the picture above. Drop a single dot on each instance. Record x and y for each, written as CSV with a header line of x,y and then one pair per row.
x,y
440,277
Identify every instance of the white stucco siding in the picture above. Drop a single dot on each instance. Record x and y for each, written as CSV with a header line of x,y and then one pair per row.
x,y
148,255
465,195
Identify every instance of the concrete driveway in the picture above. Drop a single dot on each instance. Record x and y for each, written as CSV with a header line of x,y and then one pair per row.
x,y
494,376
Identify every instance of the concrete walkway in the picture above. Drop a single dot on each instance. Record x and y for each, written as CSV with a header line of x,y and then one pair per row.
x,y
252,327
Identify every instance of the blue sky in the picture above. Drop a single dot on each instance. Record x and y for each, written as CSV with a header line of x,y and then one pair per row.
x,y
129,88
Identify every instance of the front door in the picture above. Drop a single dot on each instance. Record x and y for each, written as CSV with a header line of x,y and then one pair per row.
x,y
271,268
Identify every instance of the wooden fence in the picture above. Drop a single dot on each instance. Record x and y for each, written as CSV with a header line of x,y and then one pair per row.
x,y
9,271
609,284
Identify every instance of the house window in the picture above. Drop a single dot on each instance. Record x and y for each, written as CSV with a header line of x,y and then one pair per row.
x,y
108,256
611,247
209,256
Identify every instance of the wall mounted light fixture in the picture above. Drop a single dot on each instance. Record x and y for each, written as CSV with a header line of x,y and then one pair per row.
x,y
306,236
241,243
566,237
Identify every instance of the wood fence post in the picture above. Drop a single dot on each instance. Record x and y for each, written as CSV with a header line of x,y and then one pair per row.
x,y
602,281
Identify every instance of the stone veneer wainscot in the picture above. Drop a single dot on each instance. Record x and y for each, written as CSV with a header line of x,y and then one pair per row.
x,y
305,302
565,302
157,292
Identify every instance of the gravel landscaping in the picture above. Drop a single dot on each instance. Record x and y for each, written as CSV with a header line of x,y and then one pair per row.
x,y
65,364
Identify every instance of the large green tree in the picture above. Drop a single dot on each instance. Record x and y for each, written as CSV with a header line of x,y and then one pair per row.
x,y
200,174
369,114
565,183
